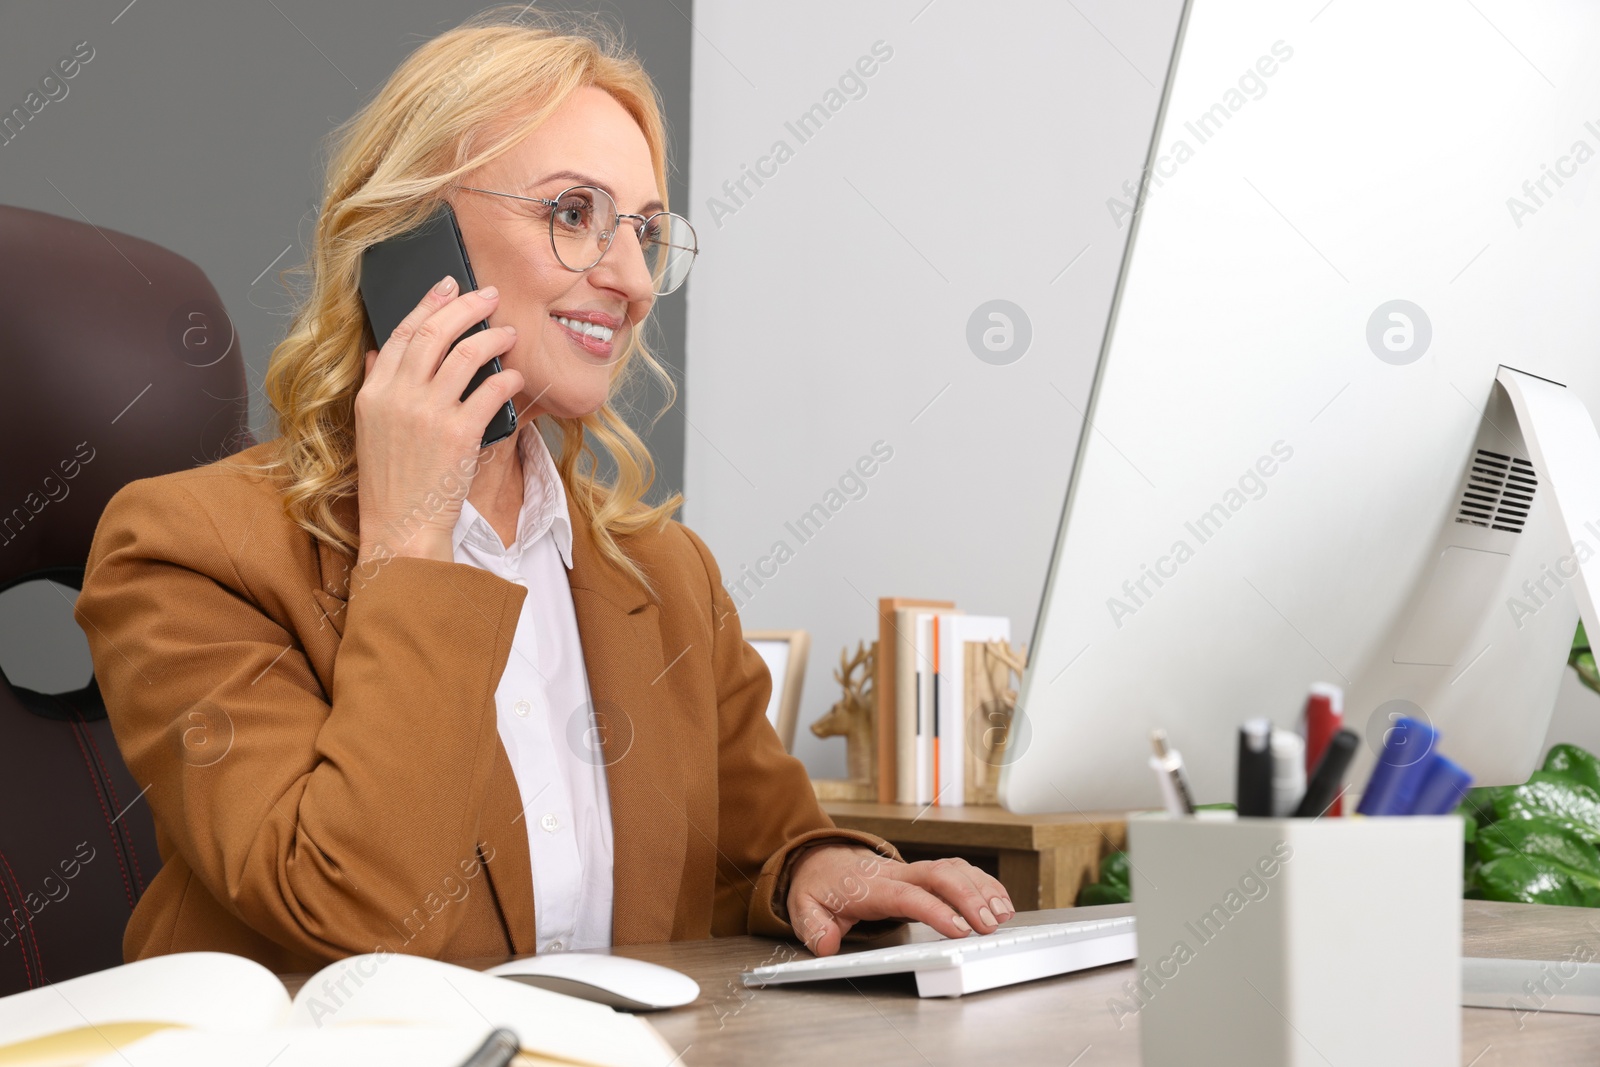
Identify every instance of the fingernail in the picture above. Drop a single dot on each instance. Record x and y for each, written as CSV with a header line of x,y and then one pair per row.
x,y
489,292
962,924
512,330
445,285
987,916
1000,907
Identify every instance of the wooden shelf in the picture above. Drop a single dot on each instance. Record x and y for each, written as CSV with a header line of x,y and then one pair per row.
x,y
1042,860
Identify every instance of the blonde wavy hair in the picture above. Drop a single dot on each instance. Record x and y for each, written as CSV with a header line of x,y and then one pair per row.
x,y
460,100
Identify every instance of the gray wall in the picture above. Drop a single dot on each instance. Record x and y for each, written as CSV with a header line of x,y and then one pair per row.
x,y
199,126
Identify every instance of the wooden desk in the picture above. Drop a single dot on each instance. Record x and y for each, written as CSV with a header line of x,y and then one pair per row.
x,y
1042,860
1053,1020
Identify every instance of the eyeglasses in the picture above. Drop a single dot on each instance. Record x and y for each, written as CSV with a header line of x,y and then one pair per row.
x,y
583,224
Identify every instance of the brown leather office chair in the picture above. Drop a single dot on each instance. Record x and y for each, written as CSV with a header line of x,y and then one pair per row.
x,y
117,362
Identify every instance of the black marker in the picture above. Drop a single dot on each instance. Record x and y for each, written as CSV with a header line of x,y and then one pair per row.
x,y
1328,779
1254,790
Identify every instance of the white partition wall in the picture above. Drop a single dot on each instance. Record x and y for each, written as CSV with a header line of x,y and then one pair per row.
x,y
867,180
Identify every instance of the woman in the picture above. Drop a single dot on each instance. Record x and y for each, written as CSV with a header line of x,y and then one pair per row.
x,y
391,691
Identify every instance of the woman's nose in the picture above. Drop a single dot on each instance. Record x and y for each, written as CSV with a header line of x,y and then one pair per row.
x,y
625,265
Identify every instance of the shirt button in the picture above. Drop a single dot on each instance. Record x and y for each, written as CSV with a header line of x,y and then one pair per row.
x,y
549,821
523,707
554,946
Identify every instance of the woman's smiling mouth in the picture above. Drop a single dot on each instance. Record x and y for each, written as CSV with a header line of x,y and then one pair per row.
x,y
590,331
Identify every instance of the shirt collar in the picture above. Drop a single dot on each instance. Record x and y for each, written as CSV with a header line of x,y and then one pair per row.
x,y
544,506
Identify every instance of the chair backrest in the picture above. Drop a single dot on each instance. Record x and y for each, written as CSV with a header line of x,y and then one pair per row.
x,y
117,362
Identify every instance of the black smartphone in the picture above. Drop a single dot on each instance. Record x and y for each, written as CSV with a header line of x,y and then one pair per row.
x,y
395,274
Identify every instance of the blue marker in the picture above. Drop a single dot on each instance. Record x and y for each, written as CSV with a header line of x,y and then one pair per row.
x,y
1409,749
1442,790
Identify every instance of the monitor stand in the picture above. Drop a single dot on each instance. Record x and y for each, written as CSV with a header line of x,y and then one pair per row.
x,y
1481,649
1565,449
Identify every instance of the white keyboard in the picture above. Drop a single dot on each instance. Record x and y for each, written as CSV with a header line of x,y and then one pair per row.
x,y
953,966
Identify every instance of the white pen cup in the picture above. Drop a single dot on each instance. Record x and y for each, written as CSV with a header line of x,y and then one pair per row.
x,y
1288,942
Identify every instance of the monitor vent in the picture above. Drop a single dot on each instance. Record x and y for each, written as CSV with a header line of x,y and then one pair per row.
x,y
1498,493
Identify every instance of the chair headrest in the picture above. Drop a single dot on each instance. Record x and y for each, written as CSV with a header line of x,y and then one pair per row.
x,y
117,362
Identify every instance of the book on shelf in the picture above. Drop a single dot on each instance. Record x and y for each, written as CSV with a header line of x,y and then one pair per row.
x,y
938,743
929,743
886,685
914,690
951,784
214,1007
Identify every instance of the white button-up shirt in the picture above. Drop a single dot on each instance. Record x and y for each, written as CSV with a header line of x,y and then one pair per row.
x,y
545,712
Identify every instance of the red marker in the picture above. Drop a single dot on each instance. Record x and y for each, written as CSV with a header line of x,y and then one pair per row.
x,y
1323,717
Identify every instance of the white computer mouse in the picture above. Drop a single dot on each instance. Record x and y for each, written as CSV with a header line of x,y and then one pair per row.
x,y
632,985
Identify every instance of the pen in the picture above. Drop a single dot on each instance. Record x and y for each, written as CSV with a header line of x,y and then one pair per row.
x,y
1168,765
1253,794
1288,772
1321,719
1442,789
1408,750
1327,781
497,1050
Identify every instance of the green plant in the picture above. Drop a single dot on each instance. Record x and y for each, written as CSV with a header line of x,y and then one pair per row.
x,y
1582,660
1113,886
1538,842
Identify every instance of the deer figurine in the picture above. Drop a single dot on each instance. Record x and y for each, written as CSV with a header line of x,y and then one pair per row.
x,y
989,721
852,719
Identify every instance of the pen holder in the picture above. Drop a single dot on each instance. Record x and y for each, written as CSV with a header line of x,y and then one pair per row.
x,y
1296,941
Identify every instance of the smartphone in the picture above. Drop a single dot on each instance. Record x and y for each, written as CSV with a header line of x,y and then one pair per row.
x,y
395,274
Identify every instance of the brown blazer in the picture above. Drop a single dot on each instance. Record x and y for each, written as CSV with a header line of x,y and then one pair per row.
x,y
321,750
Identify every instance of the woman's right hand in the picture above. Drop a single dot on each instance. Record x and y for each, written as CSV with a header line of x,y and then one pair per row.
x,y
417,441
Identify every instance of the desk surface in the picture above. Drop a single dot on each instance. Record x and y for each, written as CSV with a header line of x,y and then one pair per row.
x,y
1063,1020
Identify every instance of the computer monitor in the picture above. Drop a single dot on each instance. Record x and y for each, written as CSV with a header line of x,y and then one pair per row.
x,y
1323,443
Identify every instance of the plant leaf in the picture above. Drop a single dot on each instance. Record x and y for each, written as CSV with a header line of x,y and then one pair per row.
x,y
1545,842
1100,893
1525,880
1114,871
1572,762
1481,803
1553,798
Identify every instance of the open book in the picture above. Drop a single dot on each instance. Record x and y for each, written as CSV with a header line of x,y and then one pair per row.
x,y
379,1008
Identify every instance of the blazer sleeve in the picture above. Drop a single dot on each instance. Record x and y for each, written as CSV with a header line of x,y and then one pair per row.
x,y
320,819
767,811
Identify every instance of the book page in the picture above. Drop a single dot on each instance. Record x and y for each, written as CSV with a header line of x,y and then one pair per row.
x,y
390,987
390,1046
81,1018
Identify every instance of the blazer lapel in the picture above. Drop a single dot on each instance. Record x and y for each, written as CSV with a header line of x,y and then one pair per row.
x,y
502,834
620,630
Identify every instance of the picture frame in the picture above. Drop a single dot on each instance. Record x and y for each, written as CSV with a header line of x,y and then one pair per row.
x,y
785,653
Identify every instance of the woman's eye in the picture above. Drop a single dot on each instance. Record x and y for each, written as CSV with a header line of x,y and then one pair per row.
x,y
651,235
573,214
